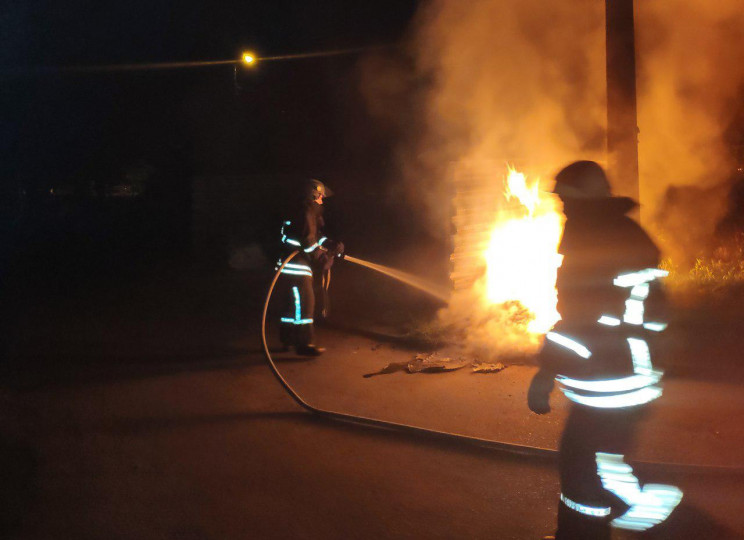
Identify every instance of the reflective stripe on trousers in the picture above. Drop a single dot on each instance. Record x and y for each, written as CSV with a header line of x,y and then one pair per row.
x,y
298,300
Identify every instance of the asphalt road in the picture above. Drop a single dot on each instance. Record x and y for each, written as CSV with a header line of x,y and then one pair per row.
x,y
146,411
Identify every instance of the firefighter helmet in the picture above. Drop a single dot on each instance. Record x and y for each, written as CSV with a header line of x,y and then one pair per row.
x,y
315,188
582,180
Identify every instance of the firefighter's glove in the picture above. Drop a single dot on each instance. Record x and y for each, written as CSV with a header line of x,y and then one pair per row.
x,y
334,248
326,259
538,396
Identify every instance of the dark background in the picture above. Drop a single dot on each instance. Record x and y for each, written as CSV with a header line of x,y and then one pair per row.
x,y
97,166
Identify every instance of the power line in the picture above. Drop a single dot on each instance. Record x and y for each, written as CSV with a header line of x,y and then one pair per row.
x,y
41,70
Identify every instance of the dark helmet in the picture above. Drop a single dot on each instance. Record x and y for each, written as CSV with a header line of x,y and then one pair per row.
x,y
314,188
582,180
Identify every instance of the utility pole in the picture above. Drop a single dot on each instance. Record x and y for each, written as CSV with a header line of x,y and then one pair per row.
x,y
622,114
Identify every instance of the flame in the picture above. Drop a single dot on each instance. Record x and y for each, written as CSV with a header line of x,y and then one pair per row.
x,y
516,186
522,258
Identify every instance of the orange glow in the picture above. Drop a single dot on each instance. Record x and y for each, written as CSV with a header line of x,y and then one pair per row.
x,y
249,58
522,258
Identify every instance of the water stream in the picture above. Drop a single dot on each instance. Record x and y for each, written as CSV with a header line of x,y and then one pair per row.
x,y
434,290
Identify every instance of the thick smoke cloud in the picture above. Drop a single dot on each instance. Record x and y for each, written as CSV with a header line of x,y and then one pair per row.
x,y
488,81
498,80
690,81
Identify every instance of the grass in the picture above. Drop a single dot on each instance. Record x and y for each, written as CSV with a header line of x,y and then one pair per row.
x,y
716,272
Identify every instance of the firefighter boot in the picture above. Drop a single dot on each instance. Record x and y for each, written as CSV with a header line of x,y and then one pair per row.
x,y
309,350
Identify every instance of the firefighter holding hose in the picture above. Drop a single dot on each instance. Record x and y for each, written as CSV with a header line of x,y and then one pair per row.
x,y
600,353
303,232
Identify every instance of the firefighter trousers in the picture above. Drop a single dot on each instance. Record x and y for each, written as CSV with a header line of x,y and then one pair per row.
x,y
586,508
298,301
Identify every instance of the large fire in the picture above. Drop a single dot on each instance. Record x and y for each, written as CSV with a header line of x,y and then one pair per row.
x,y
504,262
522,258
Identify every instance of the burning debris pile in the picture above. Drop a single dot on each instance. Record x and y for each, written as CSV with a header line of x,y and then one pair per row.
x,y
527,79
504,263
518,80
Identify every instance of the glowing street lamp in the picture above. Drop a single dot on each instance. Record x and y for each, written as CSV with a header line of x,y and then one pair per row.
x,y
249,59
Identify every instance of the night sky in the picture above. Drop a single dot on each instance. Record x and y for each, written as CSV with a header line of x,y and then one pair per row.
x,y
65,128
69,139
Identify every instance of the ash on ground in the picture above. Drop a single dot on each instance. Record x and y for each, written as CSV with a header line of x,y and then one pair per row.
x,y
436,363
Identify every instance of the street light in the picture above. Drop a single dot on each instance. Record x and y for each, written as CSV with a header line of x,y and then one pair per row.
x,y
249,58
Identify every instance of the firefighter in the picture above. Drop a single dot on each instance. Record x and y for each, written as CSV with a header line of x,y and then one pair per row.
x,y
600,354
303,232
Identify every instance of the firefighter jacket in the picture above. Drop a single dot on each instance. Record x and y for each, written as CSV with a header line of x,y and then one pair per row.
x,y
303,230
611,305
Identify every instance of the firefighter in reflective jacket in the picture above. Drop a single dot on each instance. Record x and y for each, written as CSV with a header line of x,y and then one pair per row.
x,y
303,233
600,354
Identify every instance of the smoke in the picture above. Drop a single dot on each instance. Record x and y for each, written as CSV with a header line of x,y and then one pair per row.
x,y
485,83
489,81
690,81
500,80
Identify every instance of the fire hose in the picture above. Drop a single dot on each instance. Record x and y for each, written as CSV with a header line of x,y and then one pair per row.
x,y
373,422
512,448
